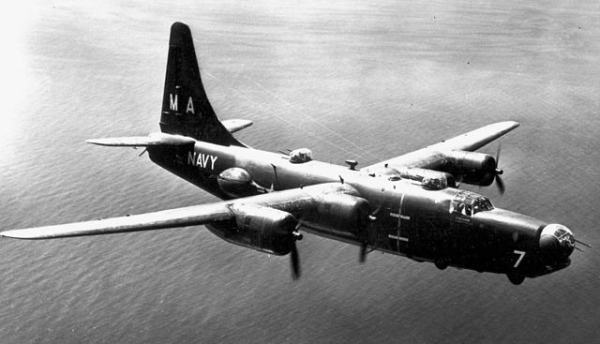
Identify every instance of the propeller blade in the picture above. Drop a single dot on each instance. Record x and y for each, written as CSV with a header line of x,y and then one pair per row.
x,y
582,243
363,253
498,155
499,181
500,184
295,260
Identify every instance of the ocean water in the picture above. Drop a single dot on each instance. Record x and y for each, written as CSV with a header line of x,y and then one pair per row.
x,y
366,80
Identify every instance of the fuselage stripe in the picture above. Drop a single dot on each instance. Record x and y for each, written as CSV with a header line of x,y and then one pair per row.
x,y
396,237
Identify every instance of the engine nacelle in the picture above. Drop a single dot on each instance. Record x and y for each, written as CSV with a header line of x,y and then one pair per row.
x,y
344,213
261,228
236,182
475,168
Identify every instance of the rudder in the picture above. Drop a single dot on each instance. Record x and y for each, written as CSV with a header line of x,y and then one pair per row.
x,y
186,110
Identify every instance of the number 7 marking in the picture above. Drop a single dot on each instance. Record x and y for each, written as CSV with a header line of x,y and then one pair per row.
x,y
521,255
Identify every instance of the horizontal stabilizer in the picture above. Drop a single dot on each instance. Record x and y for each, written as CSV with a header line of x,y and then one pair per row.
x,y
234,125
154,139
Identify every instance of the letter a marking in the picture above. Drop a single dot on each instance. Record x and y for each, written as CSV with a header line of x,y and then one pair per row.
x,y
190,106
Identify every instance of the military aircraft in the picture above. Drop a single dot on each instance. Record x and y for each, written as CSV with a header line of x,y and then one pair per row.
x,y
408,205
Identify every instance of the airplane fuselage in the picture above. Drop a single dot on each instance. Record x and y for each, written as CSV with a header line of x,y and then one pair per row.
x,y
406,218
407,205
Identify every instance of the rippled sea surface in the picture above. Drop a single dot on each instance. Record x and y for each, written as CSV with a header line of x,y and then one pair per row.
x,y
366,80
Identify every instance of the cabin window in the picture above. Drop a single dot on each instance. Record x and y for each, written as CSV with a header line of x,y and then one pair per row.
x,y
469,203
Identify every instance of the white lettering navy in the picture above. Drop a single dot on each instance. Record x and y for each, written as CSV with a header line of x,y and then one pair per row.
x,y
202,160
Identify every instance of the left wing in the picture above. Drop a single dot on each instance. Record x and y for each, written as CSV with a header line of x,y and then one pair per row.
x,y
179,217
294,201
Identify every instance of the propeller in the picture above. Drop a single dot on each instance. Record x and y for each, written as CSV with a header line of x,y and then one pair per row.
x,y
363,253
294,256
499,182
295,260
364,245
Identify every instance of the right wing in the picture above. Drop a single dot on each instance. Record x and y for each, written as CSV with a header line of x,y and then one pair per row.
x,y
295,201
433,156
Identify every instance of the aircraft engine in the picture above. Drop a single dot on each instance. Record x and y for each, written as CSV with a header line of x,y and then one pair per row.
x,y
344,212
264,229
236,182
474,168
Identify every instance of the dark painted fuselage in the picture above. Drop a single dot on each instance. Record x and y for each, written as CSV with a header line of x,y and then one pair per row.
x,y
398,206
407,219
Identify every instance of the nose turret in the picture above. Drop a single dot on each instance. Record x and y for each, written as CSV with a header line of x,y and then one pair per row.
x,y
557,243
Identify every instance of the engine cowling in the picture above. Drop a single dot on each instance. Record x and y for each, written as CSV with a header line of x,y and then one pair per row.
x,y
261,228
474,168
344,213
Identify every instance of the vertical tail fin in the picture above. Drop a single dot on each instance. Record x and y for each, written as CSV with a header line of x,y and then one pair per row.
x,y
186,109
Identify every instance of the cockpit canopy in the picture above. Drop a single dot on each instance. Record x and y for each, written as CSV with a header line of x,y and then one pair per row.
x,y
301,155
435,183
469,203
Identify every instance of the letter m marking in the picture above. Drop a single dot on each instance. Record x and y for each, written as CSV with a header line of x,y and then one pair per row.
x,y
173,102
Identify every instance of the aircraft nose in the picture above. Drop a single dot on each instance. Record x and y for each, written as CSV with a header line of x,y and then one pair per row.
x,y
557,242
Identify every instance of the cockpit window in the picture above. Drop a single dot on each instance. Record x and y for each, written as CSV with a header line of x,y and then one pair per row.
x,y
469,203
485,204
